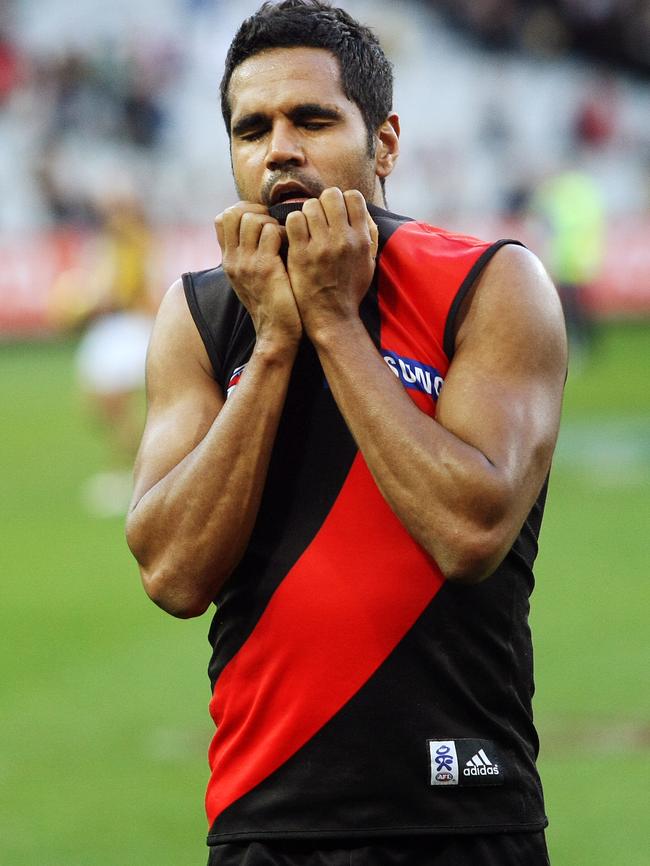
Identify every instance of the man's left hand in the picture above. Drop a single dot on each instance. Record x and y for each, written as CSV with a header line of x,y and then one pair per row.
x,y
331,259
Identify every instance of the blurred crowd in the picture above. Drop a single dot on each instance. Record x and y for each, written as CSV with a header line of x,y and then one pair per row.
x,y
90,101
611,31
77,119
492,93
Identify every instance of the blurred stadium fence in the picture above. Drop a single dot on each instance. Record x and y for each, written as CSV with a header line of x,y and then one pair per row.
x,y
33,268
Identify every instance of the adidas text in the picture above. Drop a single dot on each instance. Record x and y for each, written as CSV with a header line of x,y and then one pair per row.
x,y
481,771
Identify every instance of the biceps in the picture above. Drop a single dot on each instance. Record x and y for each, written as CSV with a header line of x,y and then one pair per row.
x,y
171,433
182,396
511,416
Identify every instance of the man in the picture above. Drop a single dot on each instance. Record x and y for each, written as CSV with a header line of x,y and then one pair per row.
x,y
366,533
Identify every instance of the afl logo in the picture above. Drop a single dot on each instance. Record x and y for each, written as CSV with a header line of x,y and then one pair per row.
x,y
444,777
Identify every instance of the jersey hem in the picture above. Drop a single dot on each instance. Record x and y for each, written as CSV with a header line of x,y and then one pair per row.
x,y
376,832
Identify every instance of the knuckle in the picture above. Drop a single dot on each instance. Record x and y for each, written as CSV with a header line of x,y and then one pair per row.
x,y
311,206
332,192
346,242
248,219
295,218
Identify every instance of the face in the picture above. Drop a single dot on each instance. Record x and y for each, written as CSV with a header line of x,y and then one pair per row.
x,y
294,132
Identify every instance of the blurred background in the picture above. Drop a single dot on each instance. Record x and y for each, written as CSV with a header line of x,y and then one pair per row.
x,y
521,118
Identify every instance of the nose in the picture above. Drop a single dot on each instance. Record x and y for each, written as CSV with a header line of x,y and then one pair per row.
x,y
284,146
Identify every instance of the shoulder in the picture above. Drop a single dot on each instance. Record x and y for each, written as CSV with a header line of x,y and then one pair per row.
x,y
514,283
207,294
207,280
513,301
175,334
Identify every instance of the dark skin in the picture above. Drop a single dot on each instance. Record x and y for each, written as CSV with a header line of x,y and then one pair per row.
x,y
461,484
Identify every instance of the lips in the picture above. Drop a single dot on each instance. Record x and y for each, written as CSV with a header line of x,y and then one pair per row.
x,y
289,192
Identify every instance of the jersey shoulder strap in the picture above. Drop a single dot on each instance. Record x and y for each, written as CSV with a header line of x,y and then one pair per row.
x,y
218,314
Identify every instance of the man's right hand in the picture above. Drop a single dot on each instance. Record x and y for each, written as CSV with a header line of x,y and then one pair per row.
x,y
250,241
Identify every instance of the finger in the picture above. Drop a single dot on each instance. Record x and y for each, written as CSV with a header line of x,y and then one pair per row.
x,y
297,228
231,219
357,212
218,225
314,214
333,204
270,238
360,218
250,229
374,236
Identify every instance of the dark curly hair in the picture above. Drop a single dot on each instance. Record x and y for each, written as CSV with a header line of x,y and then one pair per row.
x,y
366,72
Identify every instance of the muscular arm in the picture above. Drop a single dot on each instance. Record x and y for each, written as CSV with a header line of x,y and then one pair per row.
x,y
461,484
203,461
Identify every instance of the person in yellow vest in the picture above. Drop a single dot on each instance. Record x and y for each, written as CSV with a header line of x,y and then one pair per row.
x,y
571,208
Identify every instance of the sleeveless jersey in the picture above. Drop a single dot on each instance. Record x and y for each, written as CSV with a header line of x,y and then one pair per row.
x,y
357,693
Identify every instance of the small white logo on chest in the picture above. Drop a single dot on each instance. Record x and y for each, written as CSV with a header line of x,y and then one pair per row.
x,y
444,762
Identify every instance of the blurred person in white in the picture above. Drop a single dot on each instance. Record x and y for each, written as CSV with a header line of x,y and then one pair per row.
x,y
112,302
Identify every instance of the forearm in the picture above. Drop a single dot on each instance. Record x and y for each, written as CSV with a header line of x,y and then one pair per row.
x,y
463,483
447,493
441,488
189,530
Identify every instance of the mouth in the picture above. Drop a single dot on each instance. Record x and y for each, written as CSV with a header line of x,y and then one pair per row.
x,y
289,193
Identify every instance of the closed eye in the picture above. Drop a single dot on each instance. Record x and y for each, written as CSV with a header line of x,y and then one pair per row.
x,y
315,125
312,117
251,126
253,135
309,125
252,132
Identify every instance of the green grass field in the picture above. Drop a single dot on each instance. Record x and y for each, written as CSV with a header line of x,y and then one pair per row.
x,y
103,716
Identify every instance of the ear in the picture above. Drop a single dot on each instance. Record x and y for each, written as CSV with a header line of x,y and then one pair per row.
x,y
387,149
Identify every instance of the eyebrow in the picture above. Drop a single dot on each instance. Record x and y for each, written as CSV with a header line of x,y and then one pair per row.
x,y
298,114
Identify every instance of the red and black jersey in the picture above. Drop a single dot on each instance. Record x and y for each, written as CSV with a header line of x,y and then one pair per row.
x,y
355,692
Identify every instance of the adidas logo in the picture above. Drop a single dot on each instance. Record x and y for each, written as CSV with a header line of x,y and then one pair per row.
x,y
480,765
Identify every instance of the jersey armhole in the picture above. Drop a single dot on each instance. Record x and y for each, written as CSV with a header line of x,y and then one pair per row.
x,y
202,327
466,285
